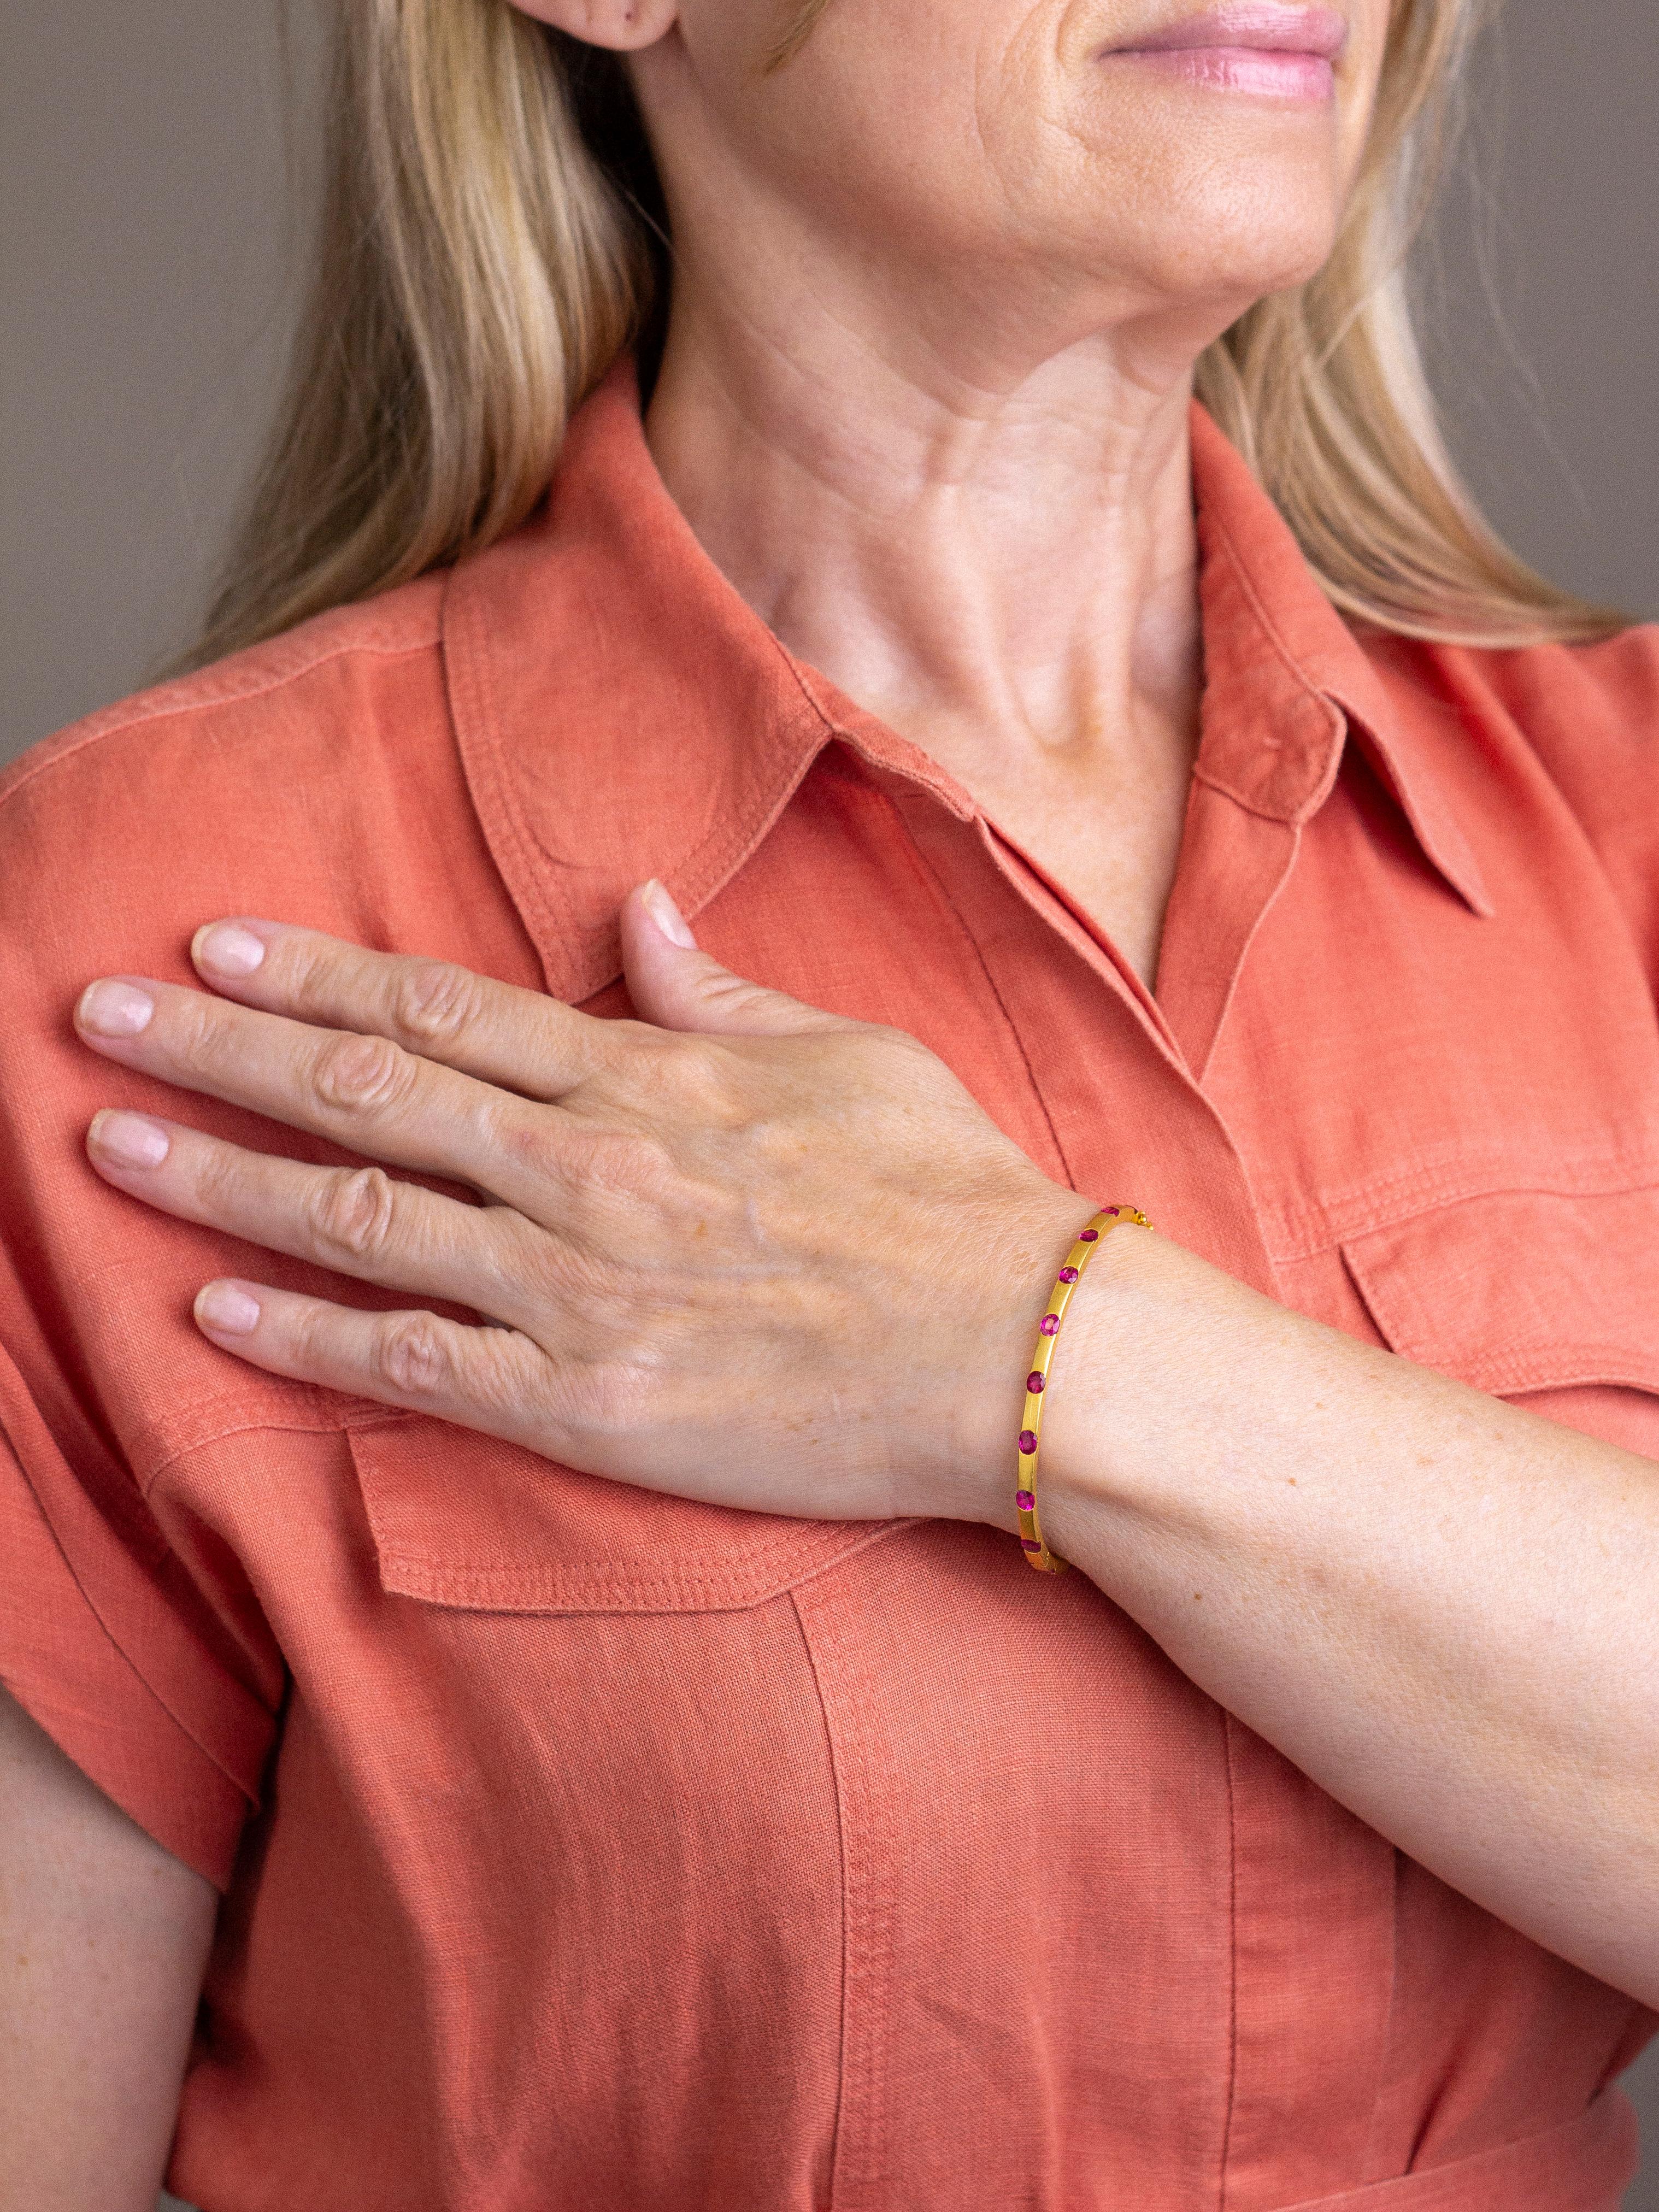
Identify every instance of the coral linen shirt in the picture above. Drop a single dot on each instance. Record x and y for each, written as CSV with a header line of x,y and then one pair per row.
x,y
584,1849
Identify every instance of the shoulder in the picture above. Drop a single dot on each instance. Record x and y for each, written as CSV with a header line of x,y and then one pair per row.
x,y
314,779
1574,702
152,767
263,771
1587,715
1544,691
1580,722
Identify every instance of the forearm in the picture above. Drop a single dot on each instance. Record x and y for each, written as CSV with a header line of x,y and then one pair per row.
x,y
1444,1609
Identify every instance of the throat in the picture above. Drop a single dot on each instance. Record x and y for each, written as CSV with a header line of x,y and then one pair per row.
x,y
1105,829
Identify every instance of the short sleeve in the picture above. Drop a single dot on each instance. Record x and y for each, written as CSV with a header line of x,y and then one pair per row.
x,y
108,1646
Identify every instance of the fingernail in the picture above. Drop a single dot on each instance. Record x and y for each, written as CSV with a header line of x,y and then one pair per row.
x,y
114,1010
227,1309
129,1140
227,949
666,916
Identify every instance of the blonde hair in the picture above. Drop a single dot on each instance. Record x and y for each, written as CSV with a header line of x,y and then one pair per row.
x,y
493,236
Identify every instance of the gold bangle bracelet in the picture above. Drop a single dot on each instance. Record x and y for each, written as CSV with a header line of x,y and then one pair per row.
x,y
1089,1241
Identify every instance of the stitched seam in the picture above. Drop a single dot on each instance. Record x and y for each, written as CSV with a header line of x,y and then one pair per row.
x,y
837,1780
1227,1725
1416,1191
743,842
1245,806
142,1680
231,695
1238,975
930,875
255,1425
1296,670
546,1587
752,1555
731,845
1372,2151
738,841
468,672
598,1581
871,1903
1293,667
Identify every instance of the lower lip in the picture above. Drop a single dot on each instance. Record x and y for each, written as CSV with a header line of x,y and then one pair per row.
x,y
1306,79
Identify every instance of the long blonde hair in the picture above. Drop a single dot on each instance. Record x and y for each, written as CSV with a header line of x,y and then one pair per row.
x,y
493,235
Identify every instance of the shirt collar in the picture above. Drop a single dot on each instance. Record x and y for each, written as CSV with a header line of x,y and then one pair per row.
x,y
621,711
1286,679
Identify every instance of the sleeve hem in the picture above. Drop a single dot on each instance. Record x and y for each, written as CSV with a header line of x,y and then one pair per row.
x,y
101,1713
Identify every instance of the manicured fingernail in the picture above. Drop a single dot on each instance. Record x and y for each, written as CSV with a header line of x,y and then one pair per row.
x,y
114,1010
227,949
227,1309
129,1140
666,916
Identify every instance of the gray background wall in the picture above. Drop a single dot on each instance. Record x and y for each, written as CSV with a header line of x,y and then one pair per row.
x,y
149,250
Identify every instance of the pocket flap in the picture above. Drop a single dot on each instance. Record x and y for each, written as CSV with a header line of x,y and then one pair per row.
x,y
1519,1291
464,1520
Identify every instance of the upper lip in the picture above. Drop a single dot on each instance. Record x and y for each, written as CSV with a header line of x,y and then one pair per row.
x,y
1267,28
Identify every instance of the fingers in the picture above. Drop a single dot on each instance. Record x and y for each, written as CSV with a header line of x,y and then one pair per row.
x,y
677,986
494,1380
522,1040
365,1093
358,1221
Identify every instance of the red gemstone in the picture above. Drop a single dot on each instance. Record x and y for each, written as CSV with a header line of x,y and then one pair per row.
x,y
1050,1323
1088,1236
1024,1500
1068,1274
1027,1441
1030,1543
1034,1381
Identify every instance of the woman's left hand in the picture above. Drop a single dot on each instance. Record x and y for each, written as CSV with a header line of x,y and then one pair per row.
x,y
739,1250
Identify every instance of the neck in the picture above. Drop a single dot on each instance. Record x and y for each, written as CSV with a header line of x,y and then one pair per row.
x,y
1001,566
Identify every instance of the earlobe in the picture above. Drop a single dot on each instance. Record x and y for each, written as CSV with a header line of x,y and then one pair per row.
x,y
626,27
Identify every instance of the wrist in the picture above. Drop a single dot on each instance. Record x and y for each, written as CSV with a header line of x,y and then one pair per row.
x,y
986,1388
1101,1375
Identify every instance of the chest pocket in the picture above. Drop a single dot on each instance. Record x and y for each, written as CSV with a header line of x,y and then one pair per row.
x,y
465,1520
1521,1292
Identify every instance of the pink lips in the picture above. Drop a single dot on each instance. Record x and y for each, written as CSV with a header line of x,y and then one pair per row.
x,y
1281,52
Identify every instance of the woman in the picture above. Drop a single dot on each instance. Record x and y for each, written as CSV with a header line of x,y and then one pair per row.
x,y
544,1653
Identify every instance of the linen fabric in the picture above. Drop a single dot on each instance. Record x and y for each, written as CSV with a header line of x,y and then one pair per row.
x,y
586,1848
